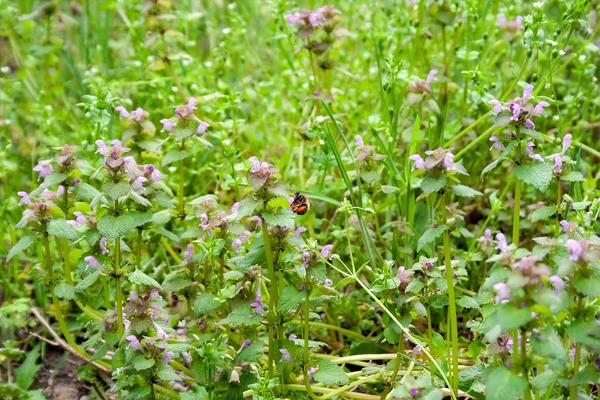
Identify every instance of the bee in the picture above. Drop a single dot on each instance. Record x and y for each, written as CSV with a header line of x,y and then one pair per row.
x,y
300,204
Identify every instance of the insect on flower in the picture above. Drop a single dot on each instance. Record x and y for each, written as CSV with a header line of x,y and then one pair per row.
x,y
300,204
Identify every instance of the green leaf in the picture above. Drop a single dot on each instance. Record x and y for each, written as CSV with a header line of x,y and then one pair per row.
x,y
250,353
512,317
549,345
330,374
140,363
502,384
86,191
573,176
467,302
140,199
64,291
430,184
290,299
100,352
502,156
26,372
430,235
465,191
242,316
535,173
168,234
167,373
590,374
21,245
60,228
245,209
544,380
205,303
175,155
140,278
114,190
438,345
54,178
387,189
543,213
282,217
87,281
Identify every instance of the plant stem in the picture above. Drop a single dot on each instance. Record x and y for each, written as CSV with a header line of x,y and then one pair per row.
x,y
274,292
517,213
181,204
573,388
451,298
119,294
139,249
524,363
306,338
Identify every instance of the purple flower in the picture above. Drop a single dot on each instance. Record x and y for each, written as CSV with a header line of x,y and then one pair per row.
x,y
155,175
167,357
419,163
568,227
502,292
189,252
44,167
448,162
529,124
316,19
188,109
138,114
497,106
167,125
134,343
123,113
202,128
328,282
138,184
413,392
359,141
298,232
497,143
404,275
102,149
160,333
431,76
559,284
502,244
257,304
303,287
326,251
515,108
245,344
306,257
81,220
103,247
575,249
294,19
486,239
539,108
529,151
237,243
527,94
293,336
24,199
558,163
566,142
285,355
93,263
182,331
257,219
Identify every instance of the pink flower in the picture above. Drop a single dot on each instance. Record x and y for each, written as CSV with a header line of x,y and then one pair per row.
x,y
298,232
134,343
258,310
202,128
359,141
574,248
559,284
167,125
529,124
419,163
258,220
431,76
138,184
294,19
448,162
566,143
160,333
558,162
497,143
503,292
138,114
515,108
316,19
497,106
189,252
155,175
93,263
486,239
531,154
24,199
502,244
568,227
102,149
167,357
44,167
188,109
539,108
123,113
285,355
328,282
527,94
245,344
326,251
103,242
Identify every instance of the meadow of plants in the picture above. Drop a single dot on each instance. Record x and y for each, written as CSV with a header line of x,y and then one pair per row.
x,y
272,199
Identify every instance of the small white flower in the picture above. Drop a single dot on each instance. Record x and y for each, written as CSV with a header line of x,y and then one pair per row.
x,y
551,42
538,4
561,53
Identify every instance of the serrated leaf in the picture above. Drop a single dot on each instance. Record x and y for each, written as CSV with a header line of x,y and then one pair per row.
x,y
54,178
282,217
430,184
242,316
549,345
114,191
21,245
168,234
64,291
167,373
438,345
387,189
535,173
140,278
290,299
502,156
60,228
245,209
175,155
465,191
250,353
140,199
430,235
467,302
141,363
544,380
86,191
543,213
501,384
573,176
205,303
87,281
512,317
330,373
100,352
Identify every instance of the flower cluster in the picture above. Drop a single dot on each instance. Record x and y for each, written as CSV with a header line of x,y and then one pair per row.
x,y
308,21
184,116
520,111
114,159
560,158
439,159
511,26
363,153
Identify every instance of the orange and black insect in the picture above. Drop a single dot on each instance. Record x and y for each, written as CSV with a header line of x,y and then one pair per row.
x,y
300,204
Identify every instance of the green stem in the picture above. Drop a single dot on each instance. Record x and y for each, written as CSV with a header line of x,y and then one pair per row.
x,y
119,294
517,213
181,205
306,339
139,249
573,388
274,292
524,363
451,299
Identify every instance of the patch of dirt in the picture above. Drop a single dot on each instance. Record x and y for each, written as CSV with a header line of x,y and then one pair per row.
x,y
61,383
